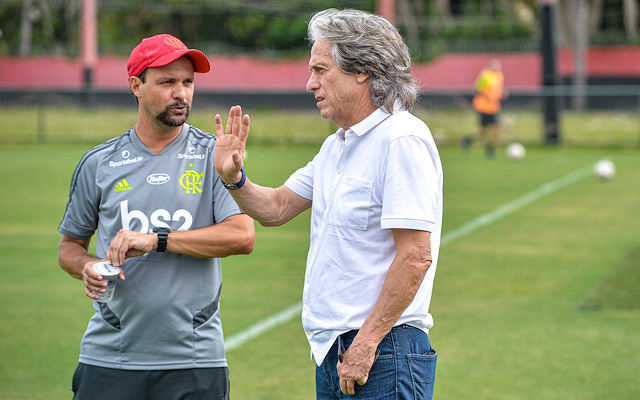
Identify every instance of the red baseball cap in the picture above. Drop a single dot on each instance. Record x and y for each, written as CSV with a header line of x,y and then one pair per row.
x,y
160,50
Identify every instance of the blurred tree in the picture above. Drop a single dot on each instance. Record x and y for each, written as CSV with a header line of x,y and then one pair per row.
x,y
630,10
443,7
408,13
47,25
576,28
278,27
26,27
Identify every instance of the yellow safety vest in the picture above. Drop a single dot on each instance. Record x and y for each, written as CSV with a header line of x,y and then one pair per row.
x,y
489,86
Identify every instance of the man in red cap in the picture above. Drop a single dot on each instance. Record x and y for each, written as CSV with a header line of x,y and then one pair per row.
x,y
164,53
160,50
159,212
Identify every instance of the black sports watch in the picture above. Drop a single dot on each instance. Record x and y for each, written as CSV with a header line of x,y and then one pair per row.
x,y
163,235
234,186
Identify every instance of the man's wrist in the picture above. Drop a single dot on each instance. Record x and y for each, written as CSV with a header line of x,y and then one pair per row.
x,y
239,184
163,236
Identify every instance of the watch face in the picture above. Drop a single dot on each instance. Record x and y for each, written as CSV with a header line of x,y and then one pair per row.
x,y
231,186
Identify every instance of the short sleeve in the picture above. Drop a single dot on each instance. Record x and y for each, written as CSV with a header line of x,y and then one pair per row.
x,y
301,181
411,185
80,218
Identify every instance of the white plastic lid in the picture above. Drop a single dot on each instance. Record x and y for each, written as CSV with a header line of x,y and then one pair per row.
x,y
105,269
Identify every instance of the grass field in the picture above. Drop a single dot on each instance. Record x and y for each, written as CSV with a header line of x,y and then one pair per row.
x,y
66,125
540,302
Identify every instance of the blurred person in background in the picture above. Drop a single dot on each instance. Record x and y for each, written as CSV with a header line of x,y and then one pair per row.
x,y
375,193
487,101
163,216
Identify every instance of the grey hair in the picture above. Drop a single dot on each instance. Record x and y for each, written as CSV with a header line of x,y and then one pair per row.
x,y
370,44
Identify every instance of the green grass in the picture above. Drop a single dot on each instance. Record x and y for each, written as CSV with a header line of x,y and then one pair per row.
x,y
619,289
513,301
66,125
59,124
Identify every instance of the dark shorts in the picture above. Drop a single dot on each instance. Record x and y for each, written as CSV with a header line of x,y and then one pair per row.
x,y
488,119
97,383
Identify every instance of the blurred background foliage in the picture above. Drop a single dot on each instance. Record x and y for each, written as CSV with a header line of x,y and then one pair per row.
x,y
277,28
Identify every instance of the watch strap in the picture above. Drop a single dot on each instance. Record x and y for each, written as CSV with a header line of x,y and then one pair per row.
x,y
163,236
234,186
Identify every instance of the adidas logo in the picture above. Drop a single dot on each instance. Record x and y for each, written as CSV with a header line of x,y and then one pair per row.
x,y
122,186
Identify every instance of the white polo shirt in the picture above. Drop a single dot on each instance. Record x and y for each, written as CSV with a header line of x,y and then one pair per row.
x,y
381,174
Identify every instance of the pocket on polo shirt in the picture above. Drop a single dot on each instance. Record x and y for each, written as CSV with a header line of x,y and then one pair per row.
x,y
351,204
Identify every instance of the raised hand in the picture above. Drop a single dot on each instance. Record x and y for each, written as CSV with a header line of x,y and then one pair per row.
x,y
229,151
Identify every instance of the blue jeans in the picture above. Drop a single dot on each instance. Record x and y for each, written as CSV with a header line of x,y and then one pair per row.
x,y
405,368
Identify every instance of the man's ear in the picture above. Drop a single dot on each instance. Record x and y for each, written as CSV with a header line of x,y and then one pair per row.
x,y
135,83
361,77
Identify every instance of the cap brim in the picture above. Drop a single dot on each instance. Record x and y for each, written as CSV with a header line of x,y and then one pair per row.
x,y
198,59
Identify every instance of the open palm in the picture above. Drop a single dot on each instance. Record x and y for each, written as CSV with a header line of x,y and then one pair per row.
x,y
229,151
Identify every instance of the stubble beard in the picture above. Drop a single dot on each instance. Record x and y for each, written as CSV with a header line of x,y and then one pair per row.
x,y
166,118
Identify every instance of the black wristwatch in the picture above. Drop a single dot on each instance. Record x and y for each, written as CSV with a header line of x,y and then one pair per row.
x,y
163,235
234,186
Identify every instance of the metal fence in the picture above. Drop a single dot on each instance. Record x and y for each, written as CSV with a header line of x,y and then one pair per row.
x,y
603,115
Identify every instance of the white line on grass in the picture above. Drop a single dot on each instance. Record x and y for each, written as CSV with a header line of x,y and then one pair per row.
x,y
290,312
515,205
260,327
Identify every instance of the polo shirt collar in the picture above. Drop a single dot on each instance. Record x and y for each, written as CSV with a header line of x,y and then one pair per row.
x,y
366,124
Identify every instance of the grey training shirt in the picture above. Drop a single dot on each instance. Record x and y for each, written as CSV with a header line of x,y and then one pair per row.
x,y
165,314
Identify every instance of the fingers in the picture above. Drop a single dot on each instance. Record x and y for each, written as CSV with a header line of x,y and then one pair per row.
x,y
219,130
347,387
237,120
116,251
92,281
228,129
229,151
237,160
89,293
236,124
353,370
129,244
362,381
351,387
244,129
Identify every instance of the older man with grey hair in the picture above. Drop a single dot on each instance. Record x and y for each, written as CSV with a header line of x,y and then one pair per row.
x,y
375,193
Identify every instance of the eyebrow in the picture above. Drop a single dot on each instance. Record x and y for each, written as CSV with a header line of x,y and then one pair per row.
x,y
317,65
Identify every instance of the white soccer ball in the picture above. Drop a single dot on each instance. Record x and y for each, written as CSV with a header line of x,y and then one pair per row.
x,y
516,151
605,169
